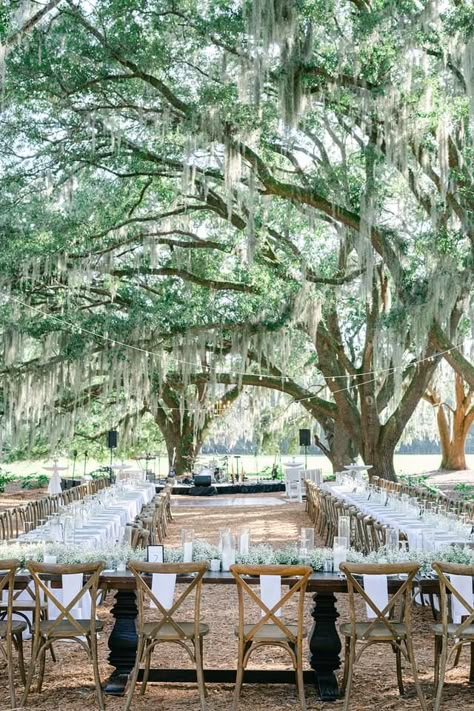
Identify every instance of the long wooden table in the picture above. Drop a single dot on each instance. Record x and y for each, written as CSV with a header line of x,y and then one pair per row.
x,y
323,640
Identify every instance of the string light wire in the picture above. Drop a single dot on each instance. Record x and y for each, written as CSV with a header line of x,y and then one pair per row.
x,y
114,342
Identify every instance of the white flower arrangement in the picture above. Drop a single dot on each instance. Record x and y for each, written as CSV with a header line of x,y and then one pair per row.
x,y
117,555
113,555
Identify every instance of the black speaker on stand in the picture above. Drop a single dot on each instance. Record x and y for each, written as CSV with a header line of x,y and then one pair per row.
x,y
112,441
305,441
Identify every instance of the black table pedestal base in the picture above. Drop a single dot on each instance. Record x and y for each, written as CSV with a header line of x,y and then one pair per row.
x,y
325,646
122,642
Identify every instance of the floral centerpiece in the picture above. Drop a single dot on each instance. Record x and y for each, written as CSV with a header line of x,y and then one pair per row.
x,y
116,556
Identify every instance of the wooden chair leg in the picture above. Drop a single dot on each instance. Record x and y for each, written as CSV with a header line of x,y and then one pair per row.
x,y
31,671
442,672
21,658
411,656
42,663
11,675
239,678
134,675
437,653
398,658
350,673
95,664
146,671
200,673
347,651
201,644
299,679
457,656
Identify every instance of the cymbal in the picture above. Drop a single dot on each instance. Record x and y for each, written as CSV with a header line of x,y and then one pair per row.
x,y
145,456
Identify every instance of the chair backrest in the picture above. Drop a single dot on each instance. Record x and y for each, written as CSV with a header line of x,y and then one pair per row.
x,y
42,572
245,592
386,615
458,596
144,572
8,570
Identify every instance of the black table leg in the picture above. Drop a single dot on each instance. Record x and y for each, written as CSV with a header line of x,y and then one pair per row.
x,y
122,641
325,645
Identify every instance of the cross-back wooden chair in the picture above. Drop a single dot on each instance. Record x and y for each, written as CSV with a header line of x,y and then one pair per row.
x,y
11,631
270,630
388,626
4,526
166,628
65,626
446,631
23,603
139,537
323,517
363,536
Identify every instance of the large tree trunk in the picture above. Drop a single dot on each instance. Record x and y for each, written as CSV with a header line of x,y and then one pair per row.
x,y
182,443
453,431
341,449
381,458
182,449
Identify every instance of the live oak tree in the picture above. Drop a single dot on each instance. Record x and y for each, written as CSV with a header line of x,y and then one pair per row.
x,y
259,172
454,421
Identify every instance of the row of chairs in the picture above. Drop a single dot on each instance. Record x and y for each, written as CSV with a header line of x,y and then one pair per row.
x,y
151,525
388,623
324,510
14,521
458,506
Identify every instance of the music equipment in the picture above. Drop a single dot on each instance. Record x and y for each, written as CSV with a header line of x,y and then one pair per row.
x,y
305,438
202,480
112,439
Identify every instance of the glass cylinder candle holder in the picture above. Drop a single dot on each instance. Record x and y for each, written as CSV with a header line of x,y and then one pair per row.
x,y
228,551
244,541
307,538
187,538
393,539
222,532
339,551
344,528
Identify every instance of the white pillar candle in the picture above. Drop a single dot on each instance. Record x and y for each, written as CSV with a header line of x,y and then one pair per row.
x,y
339,556
228,558
50,559
215,565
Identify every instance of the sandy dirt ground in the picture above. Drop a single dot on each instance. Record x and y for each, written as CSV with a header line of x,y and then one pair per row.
x,y
69,686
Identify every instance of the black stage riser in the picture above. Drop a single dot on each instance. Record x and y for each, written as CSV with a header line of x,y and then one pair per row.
x,y
214,489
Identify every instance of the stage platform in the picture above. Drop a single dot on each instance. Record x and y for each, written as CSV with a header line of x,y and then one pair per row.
x,y
226,488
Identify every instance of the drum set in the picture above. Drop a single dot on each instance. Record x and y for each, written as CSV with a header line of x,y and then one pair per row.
x,y
217,469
